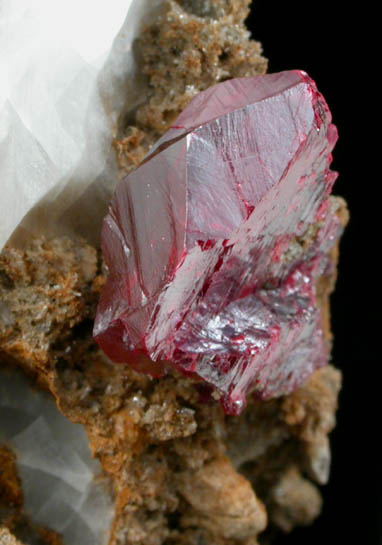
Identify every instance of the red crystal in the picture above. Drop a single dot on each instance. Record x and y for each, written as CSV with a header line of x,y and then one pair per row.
x,y
200,241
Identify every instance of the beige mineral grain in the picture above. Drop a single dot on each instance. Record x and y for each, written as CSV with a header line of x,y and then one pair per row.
x,y
6,538
318,458
222,501
310,410
295,501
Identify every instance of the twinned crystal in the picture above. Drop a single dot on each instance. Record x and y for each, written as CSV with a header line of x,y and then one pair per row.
x,y
215,243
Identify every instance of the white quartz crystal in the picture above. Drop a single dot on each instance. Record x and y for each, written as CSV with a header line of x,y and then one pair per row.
x,y
61,482
67,73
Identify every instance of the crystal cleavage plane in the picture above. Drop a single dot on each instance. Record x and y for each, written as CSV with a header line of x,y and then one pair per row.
x,y
215,243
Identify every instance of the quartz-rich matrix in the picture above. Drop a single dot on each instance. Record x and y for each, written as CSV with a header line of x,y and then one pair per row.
x,y
191,46
203,241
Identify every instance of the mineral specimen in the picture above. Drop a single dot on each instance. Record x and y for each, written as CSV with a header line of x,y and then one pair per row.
x,y
215,243
181,471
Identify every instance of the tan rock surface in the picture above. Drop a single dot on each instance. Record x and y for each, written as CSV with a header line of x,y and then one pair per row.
x,y
165,451
222,499
296,501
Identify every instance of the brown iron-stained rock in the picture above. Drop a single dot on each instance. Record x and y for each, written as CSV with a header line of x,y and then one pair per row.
x,y
44,291
155,438
10,486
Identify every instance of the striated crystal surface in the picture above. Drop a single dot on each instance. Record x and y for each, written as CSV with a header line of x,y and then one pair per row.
x,y
215,243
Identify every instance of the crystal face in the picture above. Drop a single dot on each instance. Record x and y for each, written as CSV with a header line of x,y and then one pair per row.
x,y
59,104
203,241
60,479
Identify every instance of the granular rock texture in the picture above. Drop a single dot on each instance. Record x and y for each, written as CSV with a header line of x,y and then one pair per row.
x,y
182,472
42,294
169,453
191,46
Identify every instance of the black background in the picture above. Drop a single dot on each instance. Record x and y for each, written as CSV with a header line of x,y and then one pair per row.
x,y
330,45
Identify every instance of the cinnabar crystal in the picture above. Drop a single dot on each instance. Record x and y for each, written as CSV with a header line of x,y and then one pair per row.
x,y
203,241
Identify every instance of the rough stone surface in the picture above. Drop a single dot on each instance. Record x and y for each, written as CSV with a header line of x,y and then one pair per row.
x,y
228,503
44,290
295,500
153,435
202,241
191,46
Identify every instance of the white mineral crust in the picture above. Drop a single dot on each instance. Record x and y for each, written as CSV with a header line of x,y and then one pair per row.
x,y
67,74
59,477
